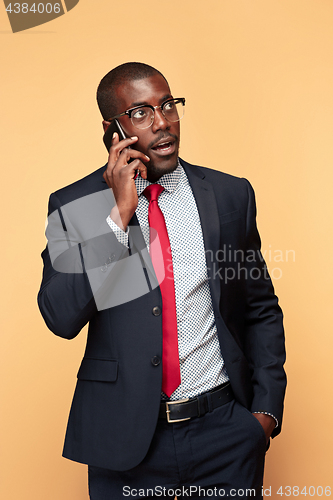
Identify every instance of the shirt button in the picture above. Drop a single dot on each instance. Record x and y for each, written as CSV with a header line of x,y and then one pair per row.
x,y
156,311
155,360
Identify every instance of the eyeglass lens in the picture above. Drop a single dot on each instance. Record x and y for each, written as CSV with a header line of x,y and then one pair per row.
x,y
143,117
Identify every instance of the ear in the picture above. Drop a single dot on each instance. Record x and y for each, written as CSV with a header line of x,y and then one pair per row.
x,y
105,125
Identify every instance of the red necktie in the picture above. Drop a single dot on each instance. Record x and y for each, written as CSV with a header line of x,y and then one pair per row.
x,y
160,253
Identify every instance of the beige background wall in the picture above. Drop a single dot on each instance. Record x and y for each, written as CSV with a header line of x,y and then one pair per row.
x,y
258,79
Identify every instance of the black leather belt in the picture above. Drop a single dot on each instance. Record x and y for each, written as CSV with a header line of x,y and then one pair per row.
x,y
184,409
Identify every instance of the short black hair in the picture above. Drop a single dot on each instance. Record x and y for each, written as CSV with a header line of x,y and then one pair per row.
x,y
106,96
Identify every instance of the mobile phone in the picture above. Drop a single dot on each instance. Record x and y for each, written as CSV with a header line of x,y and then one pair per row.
x,y
113,127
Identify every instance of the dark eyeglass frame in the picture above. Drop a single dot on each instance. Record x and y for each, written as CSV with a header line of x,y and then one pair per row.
x,y
129,112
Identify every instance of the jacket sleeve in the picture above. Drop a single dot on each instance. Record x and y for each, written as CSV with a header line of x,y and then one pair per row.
x,y
265,344
66,298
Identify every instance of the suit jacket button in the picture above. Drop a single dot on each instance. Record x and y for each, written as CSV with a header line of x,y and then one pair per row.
x,y
155,360
156,311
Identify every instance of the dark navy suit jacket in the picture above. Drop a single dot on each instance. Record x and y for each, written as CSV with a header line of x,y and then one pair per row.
x,y
116,401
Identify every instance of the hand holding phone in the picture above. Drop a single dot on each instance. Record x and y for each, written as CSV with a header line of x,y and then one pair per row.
x,y
107,139
123,167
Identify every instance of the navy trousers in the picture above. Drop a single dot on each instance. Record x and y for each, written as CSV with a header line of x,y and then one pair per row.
x,y
217,455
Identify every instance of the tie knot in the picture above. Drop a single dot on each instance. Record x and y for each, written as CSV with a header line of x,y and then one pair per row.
x,y
153,191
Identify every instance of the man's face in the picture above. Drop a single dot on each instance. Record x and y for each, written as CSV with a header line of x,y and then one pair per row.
x,y
161,140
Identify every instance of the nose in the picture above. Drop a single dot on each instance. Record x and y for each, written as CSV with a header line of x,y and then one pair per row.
x,y
160,122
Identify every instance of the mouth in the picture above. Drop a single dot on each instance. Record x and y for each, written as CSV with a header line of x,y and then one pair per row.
x,y
165,147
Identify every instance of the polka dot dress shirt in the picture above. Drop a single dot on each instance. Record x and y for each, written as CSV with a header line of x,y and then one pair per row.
x,y
201,363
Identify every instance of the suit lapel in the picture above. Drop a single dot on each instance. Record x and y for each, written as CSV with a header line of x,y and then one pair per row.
x,y
206,202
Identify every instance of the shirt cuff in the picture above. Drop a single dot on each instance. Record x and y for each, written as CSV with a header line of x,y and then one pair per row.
x,y
266,413
122,236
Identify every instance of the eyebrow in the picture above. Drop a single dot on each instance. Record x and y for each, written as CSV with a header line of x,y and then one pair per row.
x,y
143,103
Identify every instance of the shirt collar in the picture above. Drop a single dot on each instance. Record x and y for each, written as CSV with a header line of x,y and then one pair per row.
x,y
168,181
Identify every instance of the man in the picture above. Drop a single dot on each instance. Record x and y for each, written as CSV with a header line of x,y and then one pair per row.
x,y
179,304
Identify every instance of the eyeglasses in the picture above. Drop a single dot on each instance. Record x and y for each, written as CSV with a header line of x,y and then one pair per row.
x,y
143,116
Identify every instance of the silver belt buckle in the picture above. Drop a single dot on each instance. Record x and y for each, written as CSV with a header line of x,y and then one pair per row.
x,y
167,403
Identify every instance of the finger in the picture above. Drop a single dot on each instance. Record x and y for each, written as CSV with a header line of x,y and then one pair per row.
x,y
142,171
114,153
119,145
115,139
126,157
134,168
117,148
134,154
